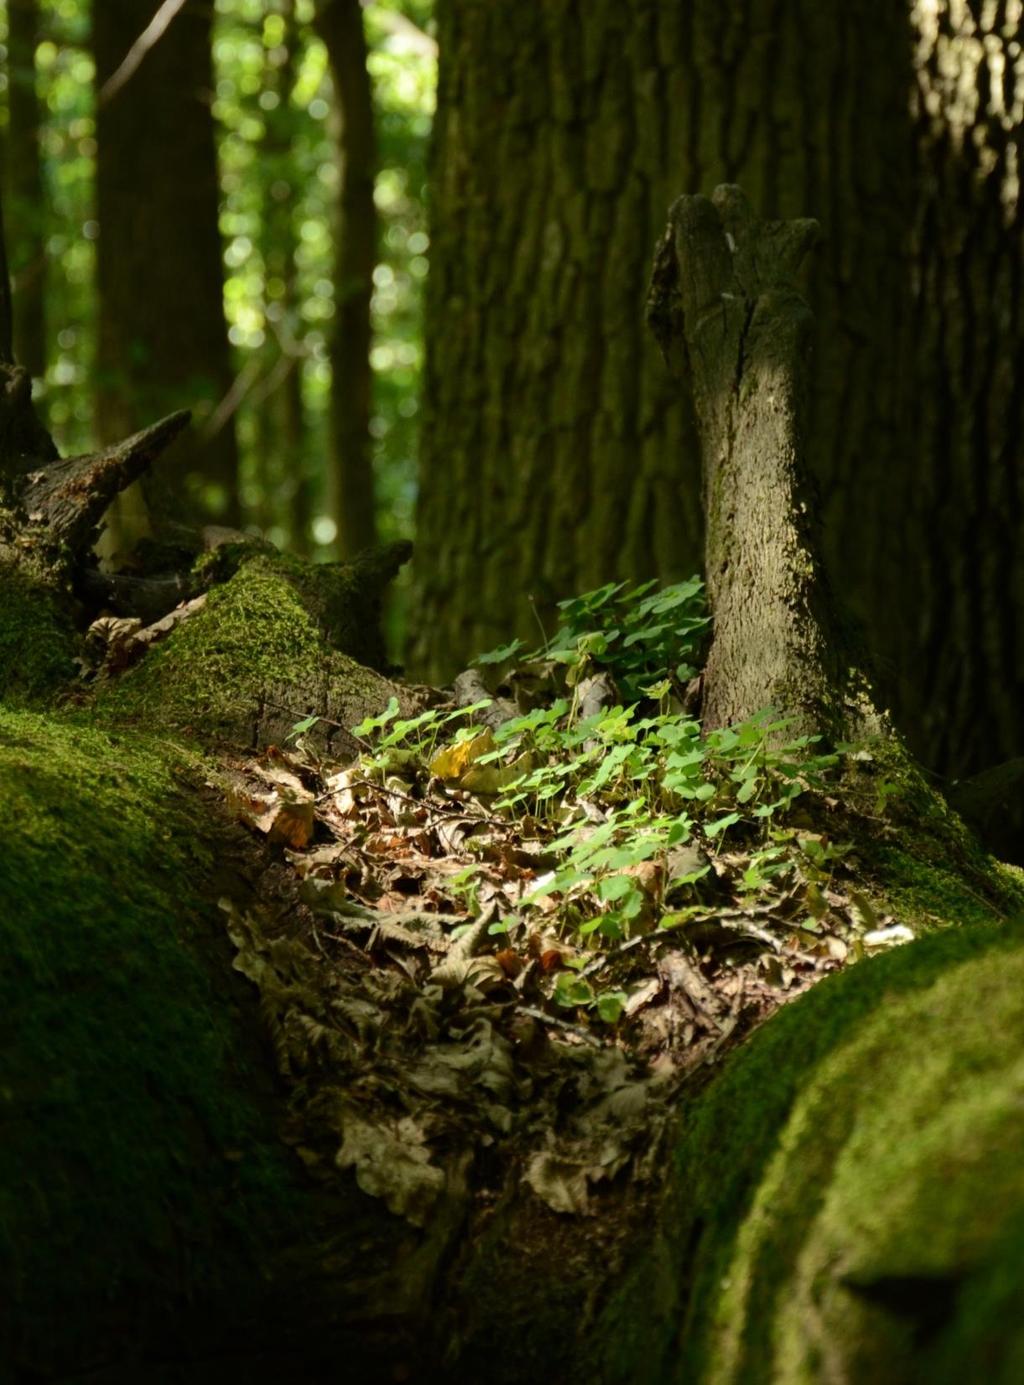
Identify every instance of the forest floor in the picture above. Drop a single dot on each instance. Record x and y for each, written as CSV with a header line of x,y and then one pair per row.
x,y
443,969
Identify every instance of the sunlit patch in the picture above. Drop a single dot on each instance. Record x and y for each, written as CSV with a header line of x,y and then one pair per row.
x,y
970,74
324,529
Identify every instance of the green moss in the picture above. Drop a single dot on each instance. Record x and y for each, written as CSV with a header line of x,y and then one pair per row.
x,y
35,641
851,1174
985,1340
928,867
255,650
927,895
133,1165
330,592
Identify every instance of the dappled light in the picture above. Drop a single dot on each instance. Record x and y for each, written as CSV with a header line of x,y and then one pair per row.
x,y
970,69
276,160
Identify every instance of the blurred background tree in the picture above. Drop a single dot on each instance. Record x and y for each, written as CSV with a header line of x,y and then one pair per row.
x,y
277,121
162,338
26,205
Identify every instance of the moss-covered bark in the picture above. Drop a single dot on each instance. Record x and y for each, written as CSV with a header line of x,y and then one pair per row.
x,y
797,1198
152,1221
138,1166
255,660
865,1212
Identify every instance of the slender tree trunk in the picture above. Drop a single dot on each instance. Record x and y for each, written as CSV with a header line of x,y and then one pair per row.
x,y
280,263
286,482
26,204
555,453
162,335
350,479
6,301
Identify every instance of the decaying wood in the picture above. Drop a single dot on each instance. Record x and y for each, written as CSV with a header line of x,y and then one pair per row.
x,y
70,495
125,594
727,313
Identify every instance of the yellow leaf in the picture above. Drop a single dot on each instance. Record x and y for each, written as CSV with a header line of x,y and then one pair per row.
x,y
452,763
491,779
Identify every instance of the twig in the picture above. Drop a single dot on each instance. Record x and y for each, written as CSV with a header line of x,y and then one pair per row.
x,y
429,803
149,38
607,958
347,942
752,930
556,1023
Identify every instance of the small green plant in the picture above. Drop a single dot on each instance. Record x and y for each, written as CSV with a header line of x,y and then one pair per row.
x,y
396,743
642,636
634,802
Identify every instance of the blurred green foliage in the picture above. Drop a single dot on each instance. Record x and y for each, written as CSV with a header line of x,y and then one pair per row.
x,y
275,152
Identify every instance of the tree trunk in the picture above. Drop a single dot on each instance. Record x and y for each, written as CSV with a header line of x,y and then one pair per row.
x,y
555,455
162,334
284,481
724,305
949,618
25,204
551,427
350,476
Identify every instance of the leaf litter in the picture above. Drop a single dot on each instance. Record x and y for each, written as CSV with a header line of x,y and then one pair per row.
x,y
442,984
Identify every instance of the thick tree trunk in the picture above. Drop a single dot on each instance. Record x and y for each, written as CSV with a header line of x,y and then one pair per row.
x,y
949,611
553,442
555,456
162,335
25,205
350,475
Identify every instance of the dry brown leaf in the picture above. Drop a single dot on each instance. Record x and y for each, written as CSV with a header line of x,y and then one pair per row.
x,y
510,962
293,823
283,778
452,763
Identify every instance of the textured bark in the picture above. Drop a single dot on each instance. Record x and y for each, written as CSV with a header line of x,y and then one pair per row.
x,y
350,475
24,442
6,302
949,618
555,452
724,304
554,442
70,495
162,336
25,202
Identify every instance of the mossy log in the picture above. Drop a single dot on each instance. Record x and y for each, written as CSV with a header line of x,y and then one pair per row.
x,y
277,639
151,1219
841,1200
